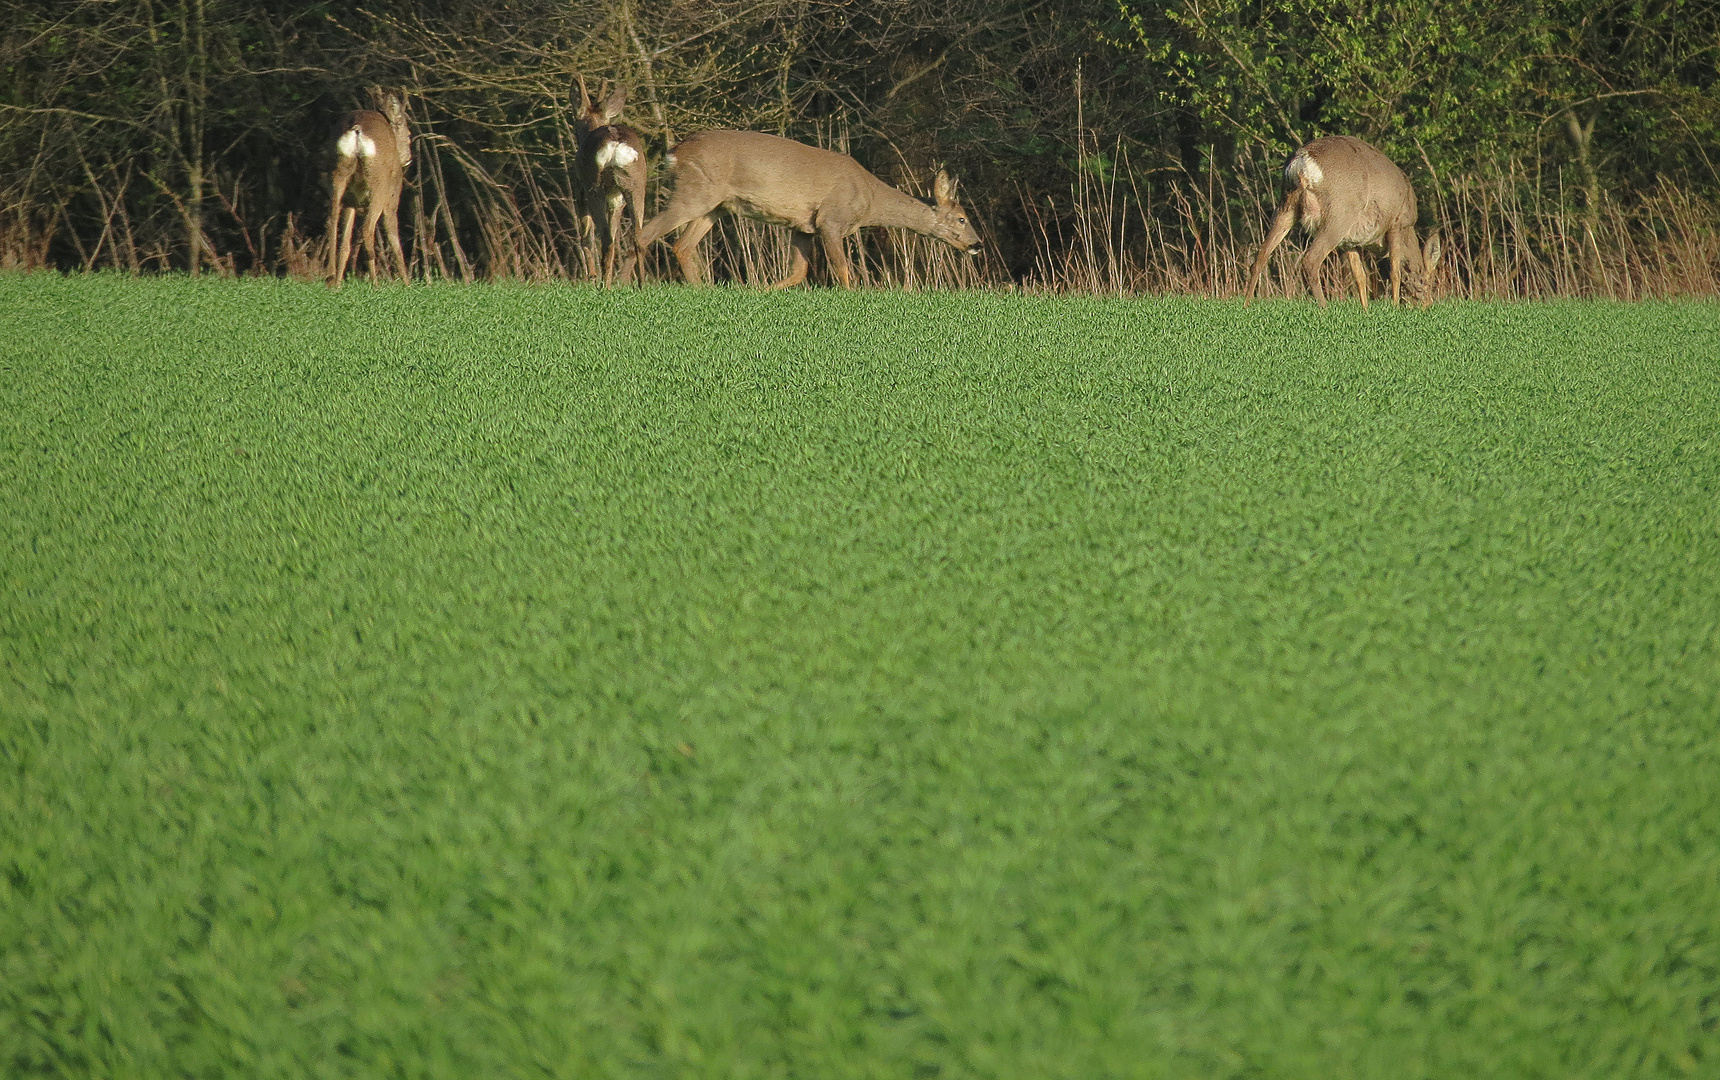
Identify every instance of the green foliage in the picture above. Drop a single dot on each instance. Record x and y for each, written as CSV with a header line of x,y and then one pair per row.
x,y
464,682
139,129
1461,84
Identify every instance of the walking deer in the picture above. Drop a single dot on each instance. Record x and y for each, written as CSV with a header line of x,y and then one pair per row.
x,y
1350,195
816,193
609,170
371,153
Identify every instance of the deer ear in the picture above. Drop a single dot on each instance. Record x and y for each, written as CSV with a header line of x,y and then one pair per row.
x,y
617,101
943,188
1431,253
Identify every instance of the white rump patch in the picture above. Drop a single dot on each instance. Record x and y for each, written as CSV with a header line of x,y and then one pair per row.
x,y
1304,170
619,155
356,143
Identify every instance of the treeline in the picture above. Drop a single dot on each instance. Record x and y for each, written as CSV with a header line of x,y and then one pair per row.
x,y
1565,147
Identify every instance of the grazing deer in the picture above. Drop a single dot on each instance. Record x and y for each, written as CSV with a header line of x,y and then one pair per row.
x,y
371,154
609,170
812,191
1350,195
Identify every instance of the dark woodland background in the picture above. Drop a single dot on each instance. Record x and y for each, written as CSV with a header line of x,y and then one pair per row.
x,y
1564,148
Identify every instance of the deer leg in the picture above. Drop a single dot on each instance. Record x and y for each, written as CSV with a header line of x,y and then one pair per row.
x,y
636,201
1281,226
800,258
835,256
372,213
582,230
1314,258
337,184
687,248
391,226
1361,276
344,248
678,213
612,240
587,234
1394,251
600,233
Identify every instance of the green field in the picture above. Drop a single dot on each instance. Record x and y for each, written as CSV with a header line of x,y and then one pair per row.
x,y
470,682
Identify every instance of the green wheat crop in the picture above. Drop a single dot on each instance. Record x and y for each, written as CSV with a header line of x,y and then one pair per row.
x,y
543,682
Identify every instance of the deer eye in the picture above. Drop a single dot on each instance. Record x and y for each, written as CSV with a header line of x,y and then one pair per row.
x,y
961,221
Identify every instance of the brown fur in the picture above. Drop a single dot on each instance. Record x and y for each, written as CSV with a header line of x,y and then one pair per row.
x,y
814,192
373,184
1358,200
602,192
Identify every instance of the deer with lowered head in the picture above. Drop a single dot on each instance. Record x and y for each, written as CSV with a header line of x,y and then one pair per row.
x,y
609,171
1350,196
815,192
371,151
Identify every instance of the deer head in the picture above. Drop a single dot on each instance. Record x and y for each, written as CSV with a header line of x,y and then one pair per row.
x,y
821,195
951,224
1421,281
591,117
391,105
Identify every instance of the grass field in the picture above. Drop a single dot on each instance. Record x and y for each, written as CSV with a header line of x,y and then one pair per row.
x,y
531,682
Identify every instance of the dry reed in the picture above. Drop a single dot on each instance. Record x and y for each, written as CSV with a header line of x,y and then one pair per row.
x,y
1119,230
1119,235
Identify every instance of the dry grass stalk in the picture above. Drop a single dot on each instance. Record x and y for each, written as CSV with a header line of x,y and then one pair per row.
x,y
1119,231
1198,238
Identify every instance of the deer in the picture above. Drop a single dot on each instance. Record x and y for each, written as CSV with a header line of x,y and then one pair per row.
x,y
814,192
1350,196
371,153
609,171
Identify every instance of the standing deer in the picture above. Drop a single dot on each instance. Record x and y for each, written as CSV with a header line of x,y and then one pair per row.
x,y
1350,195
812,191
371,155
609,170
